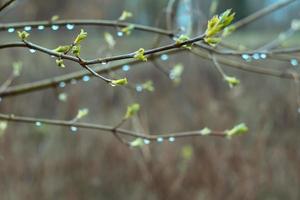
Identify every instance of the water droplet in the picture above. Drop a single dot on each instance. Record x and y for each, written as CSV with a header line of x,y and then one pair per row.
x,y
55,27
62,84
139,88
294,62
38,124
103,62
164,57
70,26
146,141
27,28
52,56
246,57
256,56
86,78
171,139
120,33
41,27
32,50
10,30
160,139
73,128
125,68
73,81
263,56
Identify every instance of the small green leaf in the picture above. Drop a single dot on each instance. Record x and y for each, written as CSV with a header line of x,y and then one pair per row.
x,y
23,35
212,41
125,15
60,63
205,131
54,18
128,29
139,55
17,68
138,142
80,37
109,39
76,50
82,113
62,49
122,81
232,81
228,30
237,130
132,110
176,73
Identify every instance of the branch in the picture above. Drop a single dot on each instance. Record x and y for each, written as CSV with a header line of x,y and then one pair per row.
x,y
6,4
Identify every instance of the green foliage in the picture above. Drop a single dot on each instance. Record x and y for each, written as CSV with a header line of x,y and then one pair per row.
x,y
54,18
148,85
23,35
139,55
205,131
138,142
216,25
60,63
82,113
128,29
80,37
76,50
183,38
237,130
132,110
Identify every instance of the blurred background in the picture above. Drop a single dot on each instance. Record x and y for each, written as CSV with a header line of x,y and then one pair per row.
x,y
50,162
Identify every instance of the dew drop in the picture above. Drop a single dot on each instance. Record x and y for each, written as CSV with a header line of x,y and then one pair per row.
x,y
263,56
73,128
52,56
125,68
103,62
146,141
62,84
160,139
256,56
86,78
246,57
294,62
41,27
139,88
10,30
171,139
164,57
38,124
27,28
54,27
32,50
120,33
70,26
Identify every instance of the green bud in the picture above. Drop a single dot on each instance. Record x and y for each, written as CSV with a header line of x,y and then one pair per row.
x,y
54,18
139,55
82,35
76,50
237,130
132,110
138,142
82,113
23,35
127,30
62,49
60,63
205,131
232,81
176,73
212,41
125,15
148,85
122,81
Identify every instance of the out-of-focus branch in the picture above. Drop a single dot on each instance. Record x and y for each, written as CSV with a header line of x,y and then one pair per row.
x,y
6,4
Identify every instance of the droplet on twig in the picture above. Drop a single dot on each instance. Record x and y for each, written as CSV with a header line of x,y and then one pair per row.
x,y
38,124
10,30
27,28
41,27
125,68
70,26
62,84
160,139
86,78
73,129
294,62
164,57
54,27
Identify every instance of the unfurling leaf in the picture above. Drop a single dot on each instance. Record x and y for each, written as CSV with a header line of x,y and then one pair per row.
x,y
62,49
122,81
109,40
23,35
132,110
127,30
60,63
80,37
17,68
216,25
125,15
76,50
237,130
82,113
138,142
139,55
232,81
183,38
